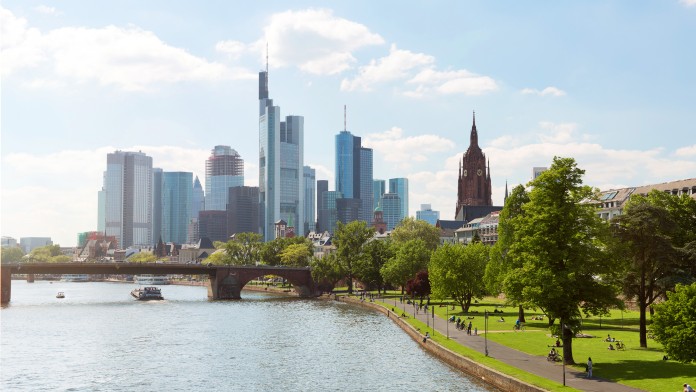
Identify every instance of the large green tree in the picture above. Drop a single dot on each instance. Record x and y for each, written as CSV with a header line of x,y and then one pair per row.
x,y
297,255
411,229
326,271
271,250
652,265
367,269
674,323
456,271
349,240
244,249
12,254
558,252
409,258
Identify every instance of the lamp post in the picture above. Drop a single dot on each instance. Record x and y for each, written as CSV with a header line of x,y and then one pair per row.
x,y
485,333
432,308
447,312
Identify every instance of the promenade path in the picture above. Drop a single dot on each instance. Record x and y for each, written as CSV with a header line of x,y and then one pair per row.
x,y
533,364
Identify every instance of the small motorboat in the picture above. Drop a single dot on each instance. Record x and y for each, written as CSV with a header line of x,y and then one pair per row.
x,y
60,294
148,293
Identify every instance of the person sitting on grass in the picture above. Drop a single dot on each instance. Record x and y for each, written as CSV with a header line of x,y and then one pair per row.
x,y
501,319
610,348
552,354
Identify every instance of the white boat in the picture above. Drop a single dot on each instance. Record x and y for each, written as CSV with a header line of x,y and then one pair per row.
x,y
151,279
74,278
147,293
60,295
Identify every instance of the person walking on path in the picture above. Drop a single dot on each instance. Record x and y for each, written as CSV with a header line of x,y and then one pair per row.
x,y
589,367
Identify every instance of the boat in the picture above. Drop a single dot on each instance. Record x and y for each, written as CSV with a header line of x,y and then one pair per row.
x,y
60,295
151,279
74,278
148,293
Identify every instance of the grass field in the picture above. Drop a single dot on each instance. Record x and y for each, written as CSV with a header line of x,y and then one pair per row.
x,y
638,367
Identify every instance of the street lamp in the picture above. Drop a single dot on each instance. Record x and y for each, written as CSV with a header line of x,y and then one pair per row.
x,y
485,327
447,313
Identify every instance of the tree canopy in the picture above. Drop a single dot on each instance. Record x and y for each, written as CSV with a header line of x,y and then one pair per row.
x,y
674,323
409,258
368,268
457,270
297,255
349,240
12,254
411,229
557,254
244,249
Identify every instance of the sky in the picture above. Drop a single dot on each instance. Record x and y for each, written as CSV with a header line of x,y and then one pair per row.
x,y
611,84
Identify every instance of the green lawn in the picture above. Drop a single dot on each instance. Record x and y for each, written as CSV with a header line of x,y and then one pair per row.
x,y
638,367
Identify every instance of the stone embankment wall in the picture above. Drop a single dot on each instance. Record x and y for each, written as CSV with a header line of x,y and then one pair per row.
x,y
482,372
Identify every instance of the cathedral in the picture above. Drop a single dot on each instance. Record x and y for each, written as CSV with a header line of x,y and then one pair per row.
x,y
474,185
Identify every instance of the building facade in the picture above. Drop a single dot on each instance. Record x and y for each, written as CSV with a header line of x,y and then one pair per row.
x,y
128,198
30,243
474,183
379,188
354,174
243,210
427,214
177,192
391,210
224,169
322,187
310,183
400,187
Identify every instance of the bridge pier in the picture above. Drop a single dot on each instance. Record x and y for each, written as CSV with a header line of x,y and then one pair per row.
x,y
224,284
5,285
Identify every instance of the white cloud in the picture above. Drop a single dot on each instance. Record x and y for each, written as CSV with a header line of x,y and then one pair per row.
x,y
44,9
554,91
688,3
451,82
314,40
397,65
233,49
557,133
688,151
405,151
129,58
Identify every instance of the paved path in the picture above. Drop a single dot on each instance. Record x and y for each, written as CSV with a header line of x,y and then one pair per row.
x,y
533,364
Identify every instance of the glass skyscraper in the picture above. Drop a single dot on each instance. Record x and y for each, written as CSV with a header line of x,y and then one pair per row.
x,y
177,192
427,214
378,189
391,208
354,174
223,170
281,161
310,181
400,187
128,198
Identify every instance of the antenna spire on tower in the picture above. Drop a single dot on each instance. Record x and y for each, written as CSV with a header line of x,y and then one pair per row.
x,y
345,119
266,58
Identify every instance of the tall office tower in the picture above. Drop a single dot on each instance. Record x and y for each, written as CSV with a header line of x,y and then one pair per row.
x,y
128,186
322,187
223,170
310,181
281,161
427,214
101,210
329,215
30,243
379,188
177,192
243,210
354,174
400,187
474,184
213,225
157,182
348,210
391,210
197,199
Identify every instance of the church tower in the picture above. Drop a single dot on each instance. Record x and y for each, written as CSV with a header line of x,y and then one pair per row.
x,y
474,185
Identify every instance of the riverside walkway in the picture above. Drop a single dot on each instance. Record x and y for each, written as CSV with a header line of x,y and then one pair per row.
x,y
531,363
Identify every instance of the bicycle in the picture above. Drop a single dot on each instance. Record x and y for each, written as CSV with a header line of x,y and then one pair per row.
x,y
519,327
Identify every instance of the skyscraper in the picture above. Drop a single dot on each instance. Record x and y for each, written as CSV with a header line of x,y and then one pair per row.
x,y
354,175
281,161
157,182
391,210
400,187
474,184
427,214
310,180
177,191
197,199
128,198
322,187
223,170
243,210
379,188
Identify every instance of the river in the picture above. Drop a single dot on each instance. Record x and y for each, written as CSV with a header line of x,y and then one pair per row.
x,y
99,339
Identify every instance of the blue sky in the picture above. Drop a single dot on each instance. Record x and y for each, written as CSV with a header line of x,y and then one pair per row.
x,y
612,84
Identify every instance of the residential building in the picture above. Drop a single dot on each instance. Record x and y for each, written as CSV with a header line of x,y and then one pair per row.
x,y
474,183
281,162
613,201
399,186
427,214
310,183
128,198
177,192
223,170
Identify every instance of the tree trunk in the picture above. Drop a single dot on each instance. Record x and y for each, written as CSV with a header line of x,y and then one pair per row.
x,y
350,284
520,314
643,333
567,339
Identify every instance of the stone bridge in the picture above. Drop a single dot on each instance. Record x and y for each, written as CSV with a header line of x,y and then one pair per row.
x,y
225,282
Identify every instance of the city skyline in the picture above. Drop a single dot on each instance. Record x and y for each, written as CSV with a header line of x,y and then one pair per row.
x,y
543,81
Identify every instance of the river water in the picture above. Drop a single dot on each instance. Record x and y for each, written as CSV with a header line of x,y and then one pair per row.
x,y
99,339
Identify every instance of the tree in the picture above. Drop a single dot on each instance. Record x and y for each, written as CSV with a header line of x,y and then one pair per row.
x,y
44,254
271,250
12,254
674,325
142,257
411,229
457,270
296,255
367,269
409,258
219,257
244,249
419,286
652,265
349,240
558,257
499,263
326,271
